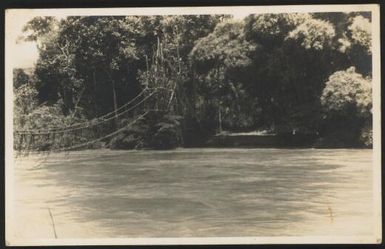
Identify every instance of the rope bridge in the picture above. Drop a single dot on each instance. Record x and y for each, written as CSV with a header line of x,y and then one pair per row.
x,y
87,134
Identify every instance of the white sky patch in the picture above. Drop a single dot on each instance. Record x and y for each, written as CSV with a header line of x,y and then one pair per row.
x,y
25,54
240,15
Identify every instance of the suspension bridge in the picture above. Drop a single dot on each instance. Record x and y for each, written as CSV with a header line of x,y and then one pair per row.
x,y
100,129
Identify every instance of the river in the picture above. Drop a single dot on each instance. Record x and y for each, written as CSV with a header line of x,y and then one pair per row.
x,y
194,193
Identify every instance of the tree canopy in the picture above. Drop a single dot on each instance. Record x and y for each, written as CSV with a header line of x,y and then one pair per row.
x,y
277,72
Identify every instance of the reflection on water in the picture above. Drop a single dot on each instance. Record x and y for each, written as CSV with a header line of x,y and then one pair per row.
x,y
195,192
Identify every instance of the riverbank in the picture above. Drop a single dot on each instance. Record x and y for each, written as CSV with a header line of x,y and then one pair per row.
x,y
262,140
282,140
247,140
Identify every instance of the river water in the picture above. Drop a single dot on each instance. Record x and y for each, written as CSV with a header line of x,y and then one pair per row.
x,y
194,192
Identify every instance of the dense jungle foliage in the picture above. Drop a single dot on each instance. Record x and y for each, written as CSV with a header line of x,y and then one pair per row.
x,y
274,72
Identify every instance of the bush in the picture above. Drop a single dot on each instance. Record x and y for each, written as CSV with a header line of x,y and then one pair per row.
x,y
167,133
133,137
153,131
24,103
346,89
29,116
366,136
347,103
20,78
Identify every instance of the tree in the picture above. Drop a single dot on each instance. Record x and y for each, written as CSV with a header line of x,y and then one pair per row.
x,y
346,90
268,71
83,58
295,54
25,101
347,102
313,34
352,39
360,32
358,44
54,70
219,60
268,28
39,28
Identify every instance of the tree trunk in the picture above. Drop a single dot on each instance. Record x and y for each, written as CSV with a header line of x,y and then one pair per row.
x,y
115,101
114,97
95,96
219,118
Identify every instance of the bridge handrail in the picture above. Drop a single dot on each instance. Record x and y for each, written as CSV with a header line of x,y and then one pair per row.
x,y
86,124
101,138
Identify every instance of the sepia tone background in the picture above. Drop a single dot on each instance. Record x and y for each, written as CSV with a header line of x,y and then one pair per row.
x,y
232,51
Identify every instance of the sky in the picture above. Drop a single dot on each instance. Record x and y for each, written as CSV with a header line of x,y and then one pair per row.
x,y
24,54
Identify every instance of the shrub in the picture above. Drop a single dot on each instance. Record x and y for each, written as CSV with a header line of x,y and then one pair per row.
x,y
43,117
167,133
347,102
366,136
347,89
153,131
133,137
24,103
